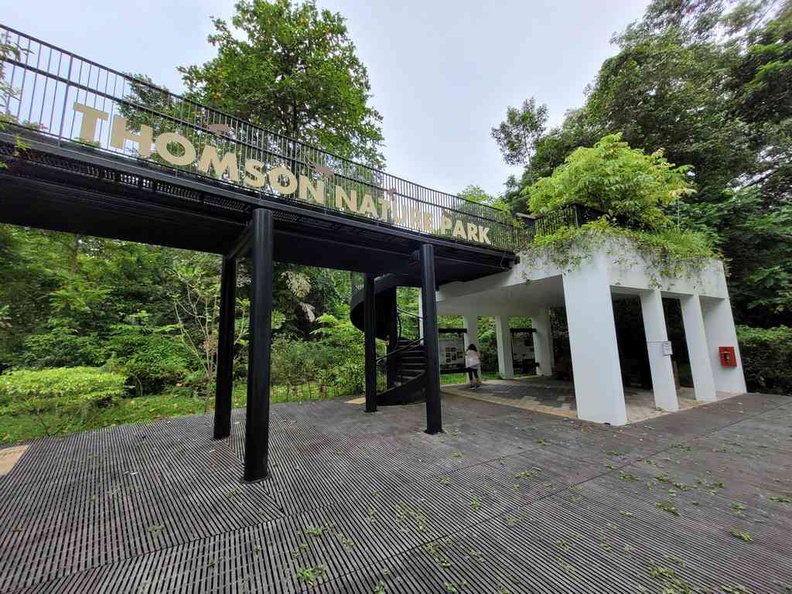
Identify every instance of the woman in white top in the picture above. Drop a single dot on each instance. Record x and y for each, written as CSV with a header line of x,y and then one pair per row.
x,y
473,365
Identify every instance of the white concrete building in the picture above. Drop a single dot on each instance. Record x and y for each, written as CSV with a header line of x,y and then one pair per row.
x,y
607,270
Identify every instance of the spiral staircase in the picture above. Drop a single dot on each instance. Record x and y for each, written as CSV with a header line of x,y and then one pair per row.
x,y
404,363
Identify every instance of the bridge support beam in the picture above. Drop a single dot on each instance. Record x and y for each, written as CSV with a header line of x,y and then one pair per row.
x,y
434,421
599,392
257,428
698,350
663,385
505,356
370,333
225,349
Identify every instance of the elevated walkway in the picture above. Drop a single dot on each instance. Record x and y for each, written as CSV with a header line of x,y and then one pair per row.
x,y
94,151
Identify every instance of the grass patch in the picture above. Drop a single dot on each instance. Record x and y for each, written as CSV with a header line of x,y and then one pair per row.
x,y
462,378
24,427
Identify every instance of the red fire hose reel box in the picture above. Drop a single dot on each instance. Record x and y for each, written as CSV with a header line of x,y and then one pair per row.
x,y
727,356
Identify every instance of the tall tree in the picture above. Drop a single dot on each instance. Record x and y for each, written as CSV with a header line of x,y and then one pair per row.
x,y
291,68
517,134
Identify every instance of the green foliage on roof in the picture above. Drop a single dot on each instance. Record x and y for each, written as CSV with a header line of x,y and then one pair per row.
x,y
618,180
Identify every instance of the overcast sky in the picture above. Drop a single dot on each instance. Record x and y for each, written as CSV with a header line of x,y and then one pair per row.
x,y
442,71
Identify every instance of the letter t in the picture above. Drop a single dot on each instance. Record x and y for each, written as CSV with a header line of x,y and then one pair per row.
x,y
90,117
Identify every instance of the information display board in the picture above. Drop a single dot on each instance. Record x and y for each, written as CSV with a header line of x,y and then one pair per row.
x,y
523,354
452,352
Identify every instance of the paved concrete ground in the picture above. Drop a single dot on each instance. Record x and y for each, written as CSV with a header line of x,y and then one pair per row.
x,y
558,397
506,501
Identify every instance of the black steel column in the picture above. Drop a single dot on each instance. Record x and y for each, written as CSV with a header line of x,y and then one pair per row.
x,y
390,302
434,416
370,331
257,429
225,349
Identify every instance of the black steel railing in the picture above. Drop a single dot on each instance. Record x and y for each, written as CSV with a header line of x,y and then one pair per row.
x,y
46,82
408,329
574,215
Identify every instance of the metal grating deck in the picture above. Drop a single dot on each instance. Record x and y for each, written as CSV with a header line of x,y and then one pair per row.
x,y
505,501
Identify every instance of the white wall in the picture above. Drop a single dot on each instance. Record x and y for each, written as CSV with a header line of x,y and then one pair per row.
x,y
543,343
535,282
592,340
663,385
720,331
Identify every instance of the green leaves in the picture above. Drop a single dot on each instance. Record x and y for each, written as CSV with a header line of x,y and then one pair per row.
x,y
292,69
616,179
766,354
518,134
742,535
709,84
48,389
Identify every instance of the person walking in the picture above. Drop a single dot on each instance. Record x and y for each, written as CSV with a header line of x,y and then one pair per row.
x,y
473,366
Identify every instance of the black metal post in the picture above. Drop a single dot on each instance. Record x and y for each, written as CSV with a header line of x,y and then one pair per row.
x,y
434,416
257,429
370,331
390,302
225,349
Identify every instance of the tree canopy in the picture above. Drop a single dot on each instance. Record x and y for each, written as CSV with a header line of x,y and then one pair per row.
x,y
613,178
517,135
291,68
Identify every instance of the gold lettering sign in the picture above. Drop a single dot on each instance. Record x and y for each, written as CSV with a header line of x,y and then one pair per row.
x,y
176,149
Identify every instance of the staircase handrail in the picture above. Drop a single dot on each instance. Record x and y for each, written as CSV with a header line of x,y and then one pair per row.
x,y
400,326
403,347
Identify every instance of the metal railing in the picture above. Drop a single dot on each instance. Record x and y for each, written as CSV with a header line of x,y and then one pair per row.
x,y
408,330
574,215
47,81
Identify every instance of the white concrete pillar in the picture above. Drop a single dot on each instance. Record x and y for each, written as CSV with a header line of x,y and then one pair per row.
x,y
471,334
720,331
663,386
592,339
543,343
696,338
503,337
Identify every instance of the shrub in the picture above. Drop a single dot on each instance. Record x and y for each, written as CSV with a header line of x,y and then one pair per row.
x,y
616,179
324,361
292,361
61,347
766,356
341,356
151,360
70,390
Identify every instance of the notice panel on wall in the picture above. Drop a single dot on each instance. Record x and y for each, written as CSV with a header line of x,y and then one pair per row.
x,y
452,352
523,355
